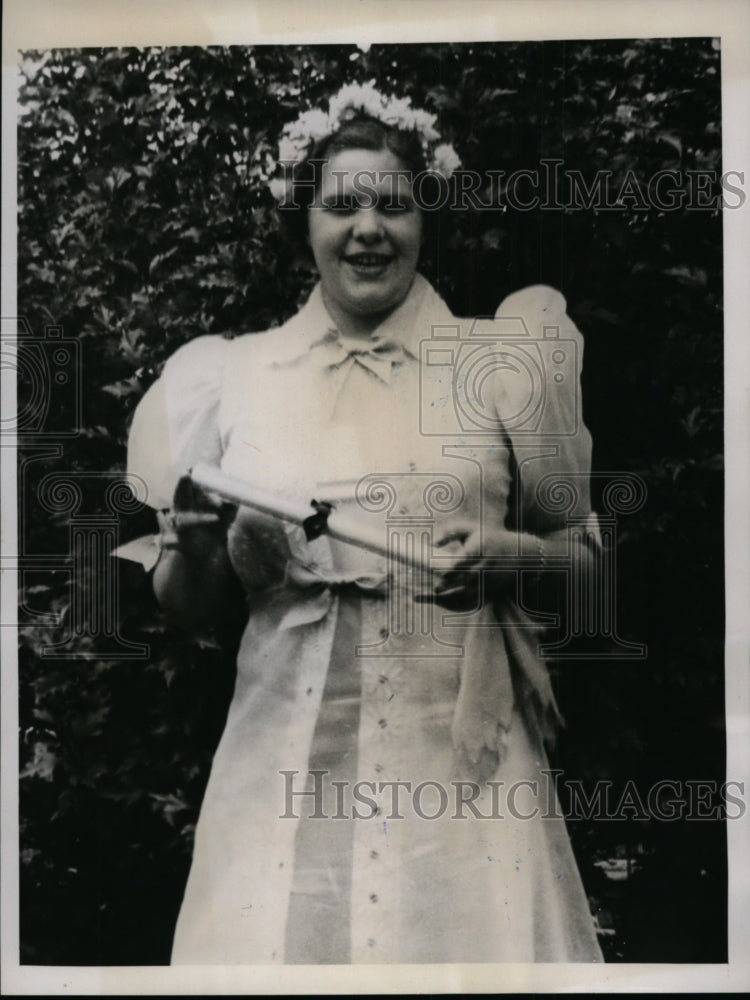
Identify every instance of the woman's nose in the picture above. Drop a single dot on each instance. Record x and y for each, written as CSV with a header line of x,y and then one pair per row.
x,y
367,224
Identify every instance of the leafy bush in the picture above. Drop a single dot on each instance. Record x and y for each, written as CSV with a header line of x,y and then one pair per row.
x,y
144,221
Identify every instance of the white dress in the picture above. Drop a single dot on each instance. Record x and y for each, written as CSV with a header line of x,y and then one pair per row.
x,y
345,685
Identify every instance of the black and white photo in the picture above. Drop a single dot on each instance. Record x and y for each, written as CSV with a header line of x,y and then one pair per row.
x,y
377,461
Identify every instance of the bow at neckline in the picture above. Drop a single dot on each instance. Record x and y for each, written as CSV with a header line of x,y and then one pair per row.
x,y
377,354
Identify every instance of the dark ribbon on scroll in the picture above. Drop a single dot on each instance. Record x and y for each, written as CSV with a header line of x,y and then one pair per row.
x,y
317,524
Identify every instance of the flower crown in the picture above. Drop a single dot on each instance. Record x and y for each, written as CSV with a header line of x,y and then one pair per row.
x,y
298,137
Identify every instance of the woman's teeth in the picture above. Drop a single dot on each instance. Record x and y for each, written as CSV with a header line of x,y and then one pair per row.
x,y
368,259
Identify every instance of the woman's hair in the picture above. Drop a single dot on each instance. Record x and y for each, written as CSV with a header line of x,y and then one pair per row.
x,y
363,132
360,132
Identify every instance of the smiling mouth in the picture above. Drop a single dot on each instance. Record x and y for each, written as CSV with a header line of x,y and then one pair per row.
x,y
368,260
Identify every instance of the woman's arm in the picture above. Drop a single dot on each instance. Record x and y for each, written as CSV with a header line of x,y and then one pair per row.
x,y
194,581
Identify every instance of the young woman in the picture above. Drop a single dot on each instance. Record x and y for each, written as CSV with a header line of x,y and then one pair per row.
x,y
380,791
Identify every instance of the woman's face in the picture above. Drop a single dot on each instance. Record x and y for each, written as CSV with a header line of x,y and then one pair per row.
x,y
365,231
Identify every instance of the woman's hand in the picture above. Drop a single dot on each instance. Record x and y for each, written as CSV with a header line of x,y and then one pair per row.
x,y
199,519
474,576
193,580
259,549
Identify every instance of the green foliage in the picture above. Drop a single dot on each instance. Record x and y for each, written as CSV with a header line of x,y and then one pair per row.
x,y
145,221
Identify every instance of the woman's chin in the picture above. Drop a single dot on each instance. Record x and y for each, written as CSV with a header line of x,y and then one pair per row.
x,y
374,298
375,305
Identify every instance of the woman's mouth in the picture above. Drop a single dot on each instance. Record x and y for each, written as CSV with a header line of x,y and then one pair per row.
x,y
368,263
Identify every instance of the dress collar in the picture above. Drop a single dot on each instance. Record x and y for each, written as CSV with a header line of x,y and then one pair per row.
x,y
406,326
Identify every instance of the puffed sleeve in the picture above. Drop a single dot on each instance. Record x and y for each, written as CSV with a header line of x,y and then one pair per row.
x,y
540,408
176,424
539,405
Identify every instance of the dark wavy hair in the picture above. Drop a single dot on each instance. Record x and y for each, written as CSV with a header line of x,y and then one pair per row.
x,y
359,132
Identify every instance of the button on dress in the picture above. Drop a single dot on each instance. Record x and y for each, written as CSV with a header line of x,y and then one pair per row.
x,y
379,793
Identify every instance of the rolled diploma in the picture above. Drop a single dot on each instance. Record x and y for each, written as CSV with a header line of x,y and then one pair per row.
x,y
339,527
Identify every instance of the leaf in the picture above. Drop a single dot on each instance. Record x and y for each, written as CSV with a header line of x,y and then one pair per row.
x,y
171,805
117,178
671,140
42,764
160,258
688,275
123,388
692,422
132,345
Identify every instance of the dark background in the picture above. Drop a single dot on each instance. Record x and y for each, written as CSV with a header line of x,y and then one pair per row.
x,y
144,221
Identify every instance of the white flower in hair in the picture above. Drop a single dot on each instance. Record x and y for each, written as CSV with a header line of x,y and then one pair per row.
x,y
314,123
354,96
399,111
298,137
425,123
445,159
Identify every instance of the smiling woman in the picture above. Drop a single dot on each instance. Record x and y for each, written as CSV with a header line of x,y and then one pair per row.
x,y
365,245
349,670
